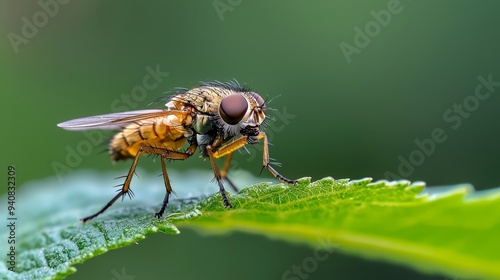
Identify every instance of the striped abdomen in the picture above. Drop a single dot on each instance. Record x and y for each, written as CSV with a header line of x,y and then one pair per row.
x,y
168,132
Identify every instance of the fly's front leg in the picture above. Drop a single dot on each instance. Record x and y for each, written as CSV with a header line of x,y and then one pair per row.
x,y
228,148
265,162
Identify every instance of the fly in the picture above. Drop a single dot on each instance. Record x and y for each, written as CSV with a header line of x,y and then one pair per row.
x,y
216,118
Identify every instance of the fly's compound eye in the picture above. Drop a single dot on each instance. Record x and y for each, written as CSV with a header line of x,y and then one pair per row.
x,y
233,108
260,101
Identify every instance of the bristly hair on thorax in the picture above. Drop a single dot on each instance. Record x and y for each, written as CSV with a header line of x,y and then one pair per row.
x,y
233,85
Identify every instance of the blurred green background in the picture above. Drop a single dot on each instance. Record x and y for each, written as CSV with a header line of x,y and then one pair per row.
x,y
342,116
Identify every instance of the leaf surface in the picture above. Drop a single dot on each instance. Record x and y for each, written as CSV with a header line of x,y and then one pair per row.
x,y
452,230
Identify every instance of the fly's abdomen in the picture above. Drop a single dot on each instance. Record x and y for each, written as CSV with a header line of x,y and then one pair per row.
x,y
166,132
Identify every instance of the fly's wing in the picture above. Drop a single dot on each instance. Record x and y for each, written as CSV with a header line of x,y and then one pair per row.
x,y
116,120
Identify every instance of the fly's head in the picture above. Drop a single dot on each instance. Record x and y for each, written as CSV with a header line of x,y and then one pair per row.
x,y
242,112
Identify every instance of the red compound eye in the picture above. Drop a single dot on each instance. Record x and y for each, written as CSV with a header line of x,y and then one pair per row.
x,y
233,108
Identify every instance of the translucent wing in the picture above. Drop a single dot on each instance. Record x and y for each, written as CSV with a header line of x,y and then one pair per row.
x,y
115,120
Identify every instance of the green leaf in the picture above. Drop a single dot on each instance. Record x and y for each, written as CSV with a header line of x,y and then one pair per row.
x,y
50,239
450,230
51,252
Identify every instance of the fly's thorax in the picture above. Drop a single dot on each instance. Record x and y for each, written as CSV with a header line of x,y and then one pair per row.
x,y
204,99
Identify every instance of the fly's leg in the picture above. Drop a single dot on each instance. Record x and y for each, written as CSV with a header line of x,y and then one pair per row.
x,y
171,155
159,214
218,177
265,162
225,170
228,148
125,189
165,153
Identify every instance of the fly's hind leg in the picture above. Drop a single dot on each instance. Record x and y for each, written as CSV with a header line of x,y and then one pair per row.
x,y
125,189
165,154
169,154
159,214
